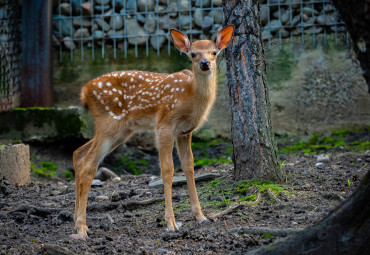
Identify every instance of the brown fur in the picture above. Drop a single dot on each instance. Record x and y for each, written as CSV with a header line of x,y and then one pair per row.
x,y
172,104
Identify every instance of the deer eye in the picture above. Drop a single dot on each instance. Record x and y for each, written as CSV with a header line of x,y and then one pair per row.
x,y
192,55
214,53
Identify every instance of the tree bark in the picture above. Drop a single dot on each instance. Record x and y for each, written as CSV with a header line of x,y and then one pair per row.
x,y
254,153
346,230
356,16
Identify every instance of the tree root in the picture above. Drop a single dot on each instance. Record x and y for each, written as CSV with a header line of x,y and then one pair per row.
x,y
229,210
34,210
272,196
127,205
260,231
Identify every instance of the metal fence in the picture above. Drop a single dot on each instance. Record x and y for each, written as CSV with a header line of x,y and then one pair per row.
x,y
145,24
10,63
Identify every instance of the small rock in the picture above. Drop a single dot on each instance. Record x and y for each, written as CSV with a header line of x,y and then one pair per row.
x,y
65,8
207,23
325,19
133,28
78,22
98,34
150,24
275,25
101,23
49,249
217,16
68,42
102,2
164,251
158,39
359,159
319,165
100,8
116,22
81,33
148,194
172,10
96,182
115,34
101,198
55,192
198,17
146,5
117,179
322,158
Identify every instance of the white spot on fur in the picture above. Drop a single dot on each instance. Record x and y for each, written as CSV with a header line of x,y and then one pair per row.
x,y
119,104
109,84
100,84
107,107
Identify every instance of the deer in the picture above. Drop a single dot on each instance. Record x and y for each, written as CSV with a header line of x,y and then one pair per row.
x,y
174,105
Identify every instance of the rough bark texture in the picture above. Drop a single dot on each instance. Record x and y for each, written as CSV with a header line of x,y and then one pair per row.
x,y
356,16
346,230
15,163
254,153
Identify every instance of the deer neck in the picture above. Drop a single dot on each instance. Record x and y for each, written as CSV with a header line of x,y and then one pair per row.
x,y
205,86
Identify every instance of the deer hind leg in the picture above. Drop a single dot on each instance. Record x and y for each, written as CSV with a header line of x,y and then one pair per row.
x,y
165,146
78,156
187,165
97,150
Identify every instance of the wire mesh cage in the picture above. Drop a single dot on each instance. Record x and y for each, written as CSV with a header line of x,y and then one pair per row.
x,y
144,24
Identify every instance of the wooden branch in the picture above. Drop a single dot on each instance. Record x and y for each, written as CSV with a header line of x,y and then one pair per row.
x,y
272,196
128,205
229,210
263,230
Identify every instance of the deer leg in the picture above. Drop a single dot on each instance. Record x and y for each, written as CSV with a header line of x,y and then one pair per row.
x,y
78,156
165,146
187,165
97,150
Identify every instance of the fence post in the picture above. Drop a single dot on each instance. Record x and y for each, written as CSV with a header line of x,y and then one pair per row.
x,y
37,53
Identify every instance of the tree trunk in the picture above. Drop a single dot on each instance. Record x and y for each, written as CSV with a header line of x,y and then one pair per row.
x,y
346,230
254,153
356,16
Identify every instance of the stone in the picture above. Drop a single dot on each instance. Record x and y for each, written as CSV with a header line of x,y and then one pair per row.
x,y
69,43
96,182
15,163
319,165
165,1
116,22
159,8
309,11
203,3
325,19
322,158
313,30
100,8
52,249
284,33
104,174
217,2
275,25
81,33
328,8
150,24
63,25
184,5
102,24
198,17
166,23
131,6
65,9
217,16
98,34
294,21
146,5
101,198
81,22
102,2
172,10
185,22
264,14
179,180
266,35
285,17
115,34
158,39
117,179
133,28
207,23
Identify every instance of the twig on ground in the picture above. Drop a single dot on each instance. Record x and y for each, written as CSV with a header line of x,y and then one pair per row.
x,y
272,196
264,230
40,211
229,210
128,205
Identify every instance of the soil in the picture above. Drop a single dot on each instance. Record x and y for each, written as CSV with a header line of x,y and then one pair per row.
x,y
38,217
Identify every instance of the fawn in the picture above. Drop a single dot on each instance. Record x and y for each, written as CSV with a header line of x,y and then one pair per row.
x,y
174,105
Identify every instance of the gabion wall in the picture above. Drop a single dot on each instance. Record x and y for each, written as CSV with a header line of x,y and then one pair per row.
x,y
145,23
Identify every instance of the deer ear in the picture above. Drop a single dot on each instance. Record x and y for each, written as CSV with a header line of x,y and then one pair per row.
x,y
180,40
224,37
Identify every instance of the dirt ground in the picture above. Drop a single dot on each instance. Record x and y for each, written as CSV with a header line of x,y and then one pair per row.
x,y
38,218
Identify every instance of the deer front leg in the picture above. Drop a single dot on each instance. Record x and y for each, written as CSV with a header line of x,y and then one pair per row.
x,y
187,165
165,147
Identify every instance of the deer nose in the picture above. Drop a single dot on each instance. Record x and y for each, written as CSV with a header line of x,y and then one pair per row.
x,y
204,64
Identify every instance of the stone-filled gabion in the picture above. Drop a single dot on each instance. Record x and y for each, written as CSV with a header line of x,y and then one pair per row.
x,y
148,21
